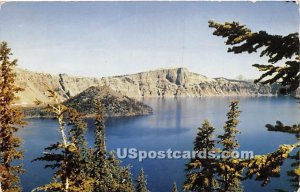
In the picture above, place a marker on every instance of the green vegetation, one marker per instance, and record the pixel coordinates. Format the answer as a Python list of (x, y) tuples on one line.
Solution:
[(80, 168), (10, 121), (114, 104), (276, 48), (228, 172), (201, 171), (77, 167), (70, 156), (206, 173), (142, 182), (108, 174)]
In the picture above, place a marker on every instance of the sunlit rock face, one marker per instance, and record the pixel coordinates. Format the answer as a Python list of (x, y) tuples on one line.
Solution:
[(158, 83)]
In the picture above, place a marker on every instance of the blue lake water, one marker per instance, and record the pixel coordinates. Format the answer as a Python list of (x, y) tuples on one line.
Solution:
[(173, 125)]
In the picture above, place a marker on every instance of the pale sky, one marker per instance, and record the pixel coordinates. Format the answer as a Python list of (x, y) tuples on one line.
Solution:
[(115, 38)]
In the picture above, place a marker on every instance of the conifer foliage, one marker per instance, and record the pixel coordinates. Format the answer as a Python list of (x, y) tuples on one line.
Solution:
[(228, 139), (121, 174), (69, 156), (275, 47), (141, 182), (210, 173), (201, 169), (107, 172), (101, 169), (230, 169), (10, 121), (283, 68), (77, 167)]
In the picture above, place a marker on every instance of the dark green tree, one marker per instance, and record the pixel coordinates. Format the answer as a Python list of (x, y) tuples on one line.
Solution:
[(228, 139), (80, 160), (122, 178), (101, 169), (201, 169), (141, 182), (277, 48), (107, 172), (69, 156), (283, 67), (11, 119), (280, 127), (229, 169), (294, 173), (263, 167)]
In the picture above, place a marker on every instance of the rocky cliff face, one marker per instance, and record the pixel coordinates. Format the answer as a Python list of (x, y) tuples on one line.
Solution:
[(158, 83), (181, 82)]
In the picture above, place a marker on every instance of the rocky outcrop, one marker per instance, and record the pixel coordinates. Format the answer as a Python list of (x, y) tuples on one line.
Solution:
[(114, 103), (158, 83)]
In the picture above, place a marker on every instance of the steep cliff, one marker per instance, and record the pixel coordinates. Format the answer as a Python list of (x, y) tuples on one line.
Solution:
[(158, 83)]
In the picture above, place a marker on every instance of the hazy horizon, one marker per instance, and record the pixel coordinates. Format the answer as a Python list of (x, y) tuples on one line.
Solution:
[(99, 39)]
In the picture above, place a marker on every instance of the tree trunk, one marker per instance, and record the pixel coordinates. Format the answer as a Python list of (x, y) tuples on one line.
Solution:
[(65, 144)]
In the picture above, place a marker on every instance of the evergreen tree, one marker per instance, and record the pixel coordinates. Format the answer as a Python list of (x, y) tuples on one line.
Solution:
[(278, 49), (230, 169), (268, 165), (101, 171), (275, 47), (294, 174), (201, 170), (122, 178), (107, 172), (174, 188), (79, 159), (141, 182), (70, 156), (228, 139), (10, 121)]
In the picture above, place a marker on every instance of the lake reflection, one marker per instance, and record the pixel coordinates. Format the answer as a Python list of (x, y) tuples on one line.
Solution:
[(173, 125)]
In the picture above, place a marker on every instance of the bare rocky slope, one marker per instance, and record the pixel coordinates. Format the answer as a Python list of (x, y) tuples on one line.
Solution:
[(158, 83)]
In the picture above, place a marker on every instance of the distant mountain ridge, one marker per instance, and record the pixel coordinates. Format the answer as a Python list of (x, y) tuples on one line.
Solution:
[(157, 83)]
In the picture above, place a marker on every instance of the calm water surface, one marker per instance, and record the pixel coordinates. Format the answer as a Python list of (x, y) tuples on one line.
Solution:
[(173, 125)]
